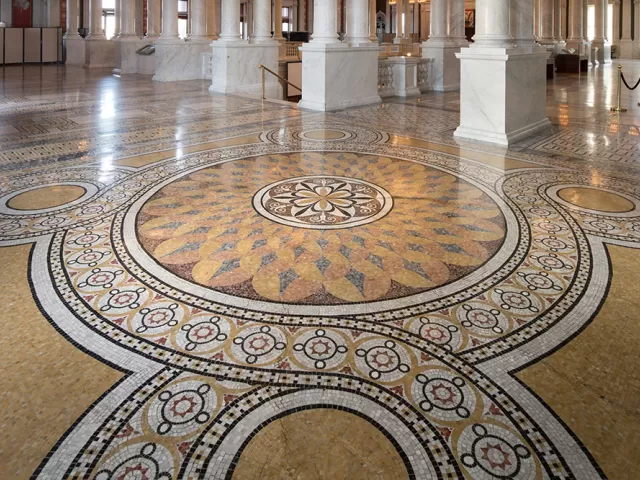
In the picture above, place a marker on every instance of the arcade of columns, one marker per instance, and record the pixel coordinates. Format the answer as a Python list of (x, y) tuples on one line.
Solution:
[(506, 55)]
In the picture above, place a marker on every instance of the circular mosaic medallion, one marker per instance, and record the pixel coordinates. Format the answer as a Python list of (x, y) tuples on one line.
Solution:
[(323, 202)]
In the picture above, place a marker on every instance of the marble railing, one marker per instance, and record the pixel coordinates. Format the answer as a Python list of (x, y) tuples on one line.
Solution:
[(402, 76), (385, 79), (289, 51)]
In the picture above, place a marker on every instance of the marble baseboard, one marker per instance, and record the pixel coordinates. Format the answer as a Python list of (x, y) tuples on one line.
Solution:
[(75, 53), (126, 57), (99, 54), (179, 60), (337, 76), (503, 94), (235, 69)]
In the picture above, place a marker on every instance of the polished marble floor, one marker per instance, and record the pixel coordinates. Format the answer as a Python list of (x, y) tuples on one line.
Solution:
[(206, 286)]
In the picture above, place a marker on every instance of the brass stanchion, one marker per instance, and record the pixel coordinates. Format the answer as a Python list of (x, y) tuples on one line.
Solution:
[(619, 108)]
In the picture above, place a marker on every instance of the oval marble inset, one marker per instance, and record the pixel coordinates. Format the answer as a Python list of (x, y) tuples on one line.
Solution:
[(595, 199), (320, 443), (323, 135), (46, 197)]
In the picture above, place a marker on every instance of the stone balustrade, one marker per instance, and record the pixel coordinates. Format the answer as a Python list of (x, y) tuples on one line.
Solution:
[(401, 76)]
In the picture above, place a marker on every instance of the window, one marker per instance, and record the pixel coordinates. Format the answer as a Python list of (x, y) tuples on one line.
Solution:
[(109, 18), (183, 18), (286, 19)]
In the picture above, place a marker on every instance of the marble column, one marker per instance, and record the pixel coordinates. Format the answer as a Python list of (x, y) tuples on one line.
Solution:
[(585, 16), (169, 21), (447, 36), (277, 21), (357, 21), (407, 19), (598, 34), (522, 23), (128, 20), (373, 31), (636, 29), (117, 14), (95, 21), (388, 22), (626, 43), (72, 19), (399, 24), (536, 18), (546, 22), (325, 22), (439, 25), (154, 19), (600, 40), (230, 21), (212, 24), (557, 21), (198, 21), (416, 19), (575, 39), (336, 75), (456, 23), (563, 24), (262, 22), (492, 24), (616, 23), (492, 70)]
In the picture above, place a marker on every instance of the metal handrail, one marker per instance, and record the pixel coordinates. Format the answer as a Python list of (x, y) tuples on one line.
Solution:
[(278, 76)]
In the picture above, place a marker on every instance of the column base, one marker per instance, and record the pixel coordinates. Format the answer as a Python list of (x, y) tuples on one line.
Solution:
[(75, 52), (604, 51), (335, 76), (235, 69), (99, 53), (503, 94), (444, 68), (180, 60)]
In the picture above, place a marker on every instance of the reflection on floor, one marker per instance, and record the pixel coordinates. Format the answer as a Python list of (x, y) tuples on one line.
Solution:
[(205, 286)]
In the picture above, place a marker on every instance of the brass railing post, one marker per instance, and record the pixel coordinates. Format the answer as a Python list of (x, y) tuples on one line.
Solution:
[(619, 107)]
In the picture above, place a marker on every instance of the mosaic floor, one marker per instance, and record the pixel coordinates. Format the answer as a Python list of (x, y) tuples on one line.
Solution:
[(201, 286)]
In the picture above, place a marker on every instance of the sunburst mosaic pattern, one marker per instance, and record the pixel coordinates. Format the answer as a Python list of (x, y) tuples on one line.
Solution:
[(204, 227)]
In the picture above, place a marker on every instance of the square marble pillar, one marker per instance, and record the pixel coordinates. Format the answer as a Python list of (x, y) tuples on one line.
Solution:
[(99, 53), (178, 60), (74, 48), (405, 76), (444, 67), (336, 76), (503, 93), (126, 57), (235, 68)]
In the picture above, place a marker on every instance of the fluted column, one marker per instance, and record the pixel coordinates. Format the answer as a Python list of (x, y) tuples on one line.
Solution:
[(439, 28), (325, 21), (95, 21), (277, 20), (373, 33), (169, 21), (357, 21), (262, 22), (154, 19), (492, 24), (72, 19), (557, 21), (522, 23), (575, 22), (546, 22), (128, 19)]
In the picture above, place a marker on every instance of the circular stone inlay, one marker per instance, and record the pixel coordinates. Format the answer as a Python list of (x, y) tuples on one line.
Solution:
[(323, 135), (323, 202), (206, 228), (46, 197), (320, 443), (595, 199)]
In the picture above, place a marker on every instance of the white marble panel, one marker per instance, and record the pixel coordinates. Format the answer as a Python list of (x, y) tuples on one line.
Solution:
[(99, 54), (13, 45), (503, 94), (179, 61), (235, 68), (405, 76), (126, 57), (74, 50), (444, 68), (336, 76)]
